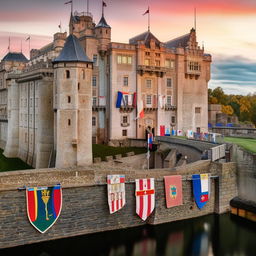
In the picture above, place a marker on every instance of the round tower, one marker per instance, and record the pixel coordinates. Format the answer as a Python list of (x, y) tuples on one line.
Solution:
[(72, 104)]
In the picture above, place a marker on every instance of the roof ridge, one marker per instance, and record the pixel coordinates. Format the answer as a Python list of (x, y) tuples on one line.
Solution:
[(177, 38)]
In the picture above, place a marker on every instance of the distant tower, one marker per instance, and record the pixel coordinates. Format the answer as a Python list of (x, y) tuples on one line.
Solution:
[(103, 33), (72, 104)]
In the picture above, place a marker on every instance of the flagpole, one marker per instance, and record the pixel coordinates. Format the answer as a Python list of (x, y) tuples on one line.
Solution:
[(148, 20), (9, 46), (195, 18), (87, 6), (102, 9)]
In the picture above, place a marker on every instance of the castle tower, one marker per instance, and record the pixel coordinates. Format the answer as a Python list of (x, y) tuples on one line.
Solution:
[(72, 104)]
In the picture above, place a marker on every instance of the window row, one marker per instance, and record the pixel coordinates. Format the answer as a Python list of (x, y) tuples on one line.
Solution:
[(124, 59)]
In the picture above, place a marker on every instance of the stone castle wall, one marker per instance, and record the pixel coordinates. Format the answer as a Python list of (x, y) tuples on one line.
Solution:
[(85, 207)]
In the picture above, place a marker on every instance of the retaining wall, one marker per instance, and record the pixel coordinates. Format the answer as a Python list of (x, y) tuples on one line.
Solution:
[(85, 207)]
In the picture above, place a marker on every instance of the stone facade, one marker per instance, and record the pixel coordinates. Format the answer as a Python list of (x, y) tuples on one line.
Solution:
[(169, 78), (85, 208)]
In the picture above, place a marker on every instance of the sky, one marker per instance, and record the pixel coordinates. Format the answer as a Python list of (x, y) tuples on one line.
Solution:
[(225, 28)]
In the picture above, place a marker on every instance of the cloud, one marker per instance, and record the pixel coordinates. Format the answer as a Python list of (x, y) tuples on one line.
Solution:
[(236, 75)]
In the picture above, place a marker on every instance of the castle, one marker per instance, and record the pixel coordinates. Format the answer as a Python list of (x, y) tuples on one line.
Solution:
[(83, 89)]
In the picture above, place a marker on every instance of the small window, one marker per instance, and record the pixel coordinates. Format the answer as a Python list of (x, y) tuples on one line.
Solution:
[(119, 59), (129, 60), (78, 86), (93, 121), (124, 132), (94, 81), (147, 62), (147, 53), (83, 74), (95, 59), (169, 82), (173, 119), (197, 110), (67, 74), (169, 99), (158, 63), (124, 59), (158, 55), (125, 119), (149, 100), (125, 81), (69, 99), (94, 101), (148, 83), (69, 122)]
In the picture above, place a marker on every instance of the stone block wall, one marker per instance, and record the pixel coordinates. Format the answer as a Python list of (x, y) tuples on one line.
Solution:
[(85, 207)]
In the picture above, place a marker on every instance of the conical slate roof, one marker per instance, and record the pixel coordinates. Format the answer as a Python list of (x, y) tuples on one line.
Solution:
[(15, 56), (102, 23), (72, 51)]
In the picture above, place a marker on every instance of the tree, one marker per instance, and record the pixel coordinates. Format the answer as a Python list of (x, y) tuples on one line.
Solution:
[(227, 110)]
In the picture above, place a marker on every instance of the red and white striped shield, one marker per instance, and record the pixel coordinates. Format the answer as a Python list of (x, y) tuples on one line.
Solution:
[(116, 192), (145, 197)]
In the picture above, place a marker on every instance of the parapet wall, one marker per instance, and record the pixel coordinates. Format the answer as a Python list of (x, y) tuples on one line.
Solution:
[(85, 207)]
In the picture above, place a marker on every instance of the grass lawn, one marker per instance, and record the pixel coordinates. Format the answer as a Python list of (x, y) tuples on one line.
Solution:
[(103, 150), (11, 164), (248, 144)]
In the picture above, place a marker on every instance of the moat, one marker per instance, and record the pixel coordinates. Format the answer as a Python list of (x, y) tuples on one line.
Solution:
[(209, 235)]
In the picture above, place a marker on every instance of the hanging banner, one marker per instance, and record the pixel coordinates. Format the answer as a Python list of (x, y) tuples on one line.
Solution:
[(201, 189), (173, 190), (162, 130), (145, 197), (167, 131), (43, 206), (116, 192), (174, 132), (190, 134), (179, 133)]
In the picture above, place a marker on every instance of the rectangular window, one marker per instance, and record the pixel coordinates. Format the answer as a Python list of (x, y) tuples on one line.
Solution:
[(197, 110), (147, 62), (173, 119), (94, 81), (129, 60), (148, 83), (93, 121), (125, 119), (169, 82), (167, 63), (149, 100), (124, 132), (124, 60), (119, 59), (158, 63), (125, 81), (158, 55), (169, 100), (95, 59), (94, 101), (147, 53)]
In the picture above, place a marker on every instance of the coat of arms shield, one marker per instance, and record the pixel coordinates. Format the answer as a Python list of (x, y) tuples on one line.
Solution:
[(201, 189), (43, 206)]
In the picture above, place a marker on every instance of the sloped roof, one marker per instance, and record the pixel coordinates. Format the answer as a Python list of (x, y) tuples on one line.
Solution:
[(181, 41), (102, 23), (72, 51), (15, 56), (146, 37)]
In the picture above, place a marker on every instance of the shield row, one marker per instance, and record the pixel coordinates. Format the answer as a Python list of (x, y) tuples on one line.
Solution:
[(44, 203)]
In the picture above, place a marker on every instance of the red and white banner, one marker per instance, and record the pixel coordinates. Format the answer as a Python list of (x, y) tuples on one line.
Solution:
[(116, 192), (145, 197)]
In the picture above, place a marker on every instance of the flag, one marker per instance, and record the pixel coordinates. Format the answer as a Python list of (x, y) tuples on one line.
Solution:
[(28, 38), (104, 4), (150, 140), (145, 197), (140, 109), (119, 99), (162, 130), (69, 2), (147, 11), (173, 190), (201, 189), (116, 192)]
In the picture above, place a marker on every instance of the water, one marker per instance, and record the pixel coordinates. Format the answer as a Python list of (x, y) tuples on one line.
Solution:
[(209, 235)]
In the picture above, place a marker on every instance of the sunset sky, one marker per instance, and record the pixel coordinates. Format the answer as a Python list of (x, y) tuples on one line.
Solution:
[(226, 28)]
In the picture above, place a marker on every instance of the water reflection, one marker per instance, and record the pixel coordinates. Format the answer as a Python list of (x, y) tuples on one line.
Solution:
[(208, 235)]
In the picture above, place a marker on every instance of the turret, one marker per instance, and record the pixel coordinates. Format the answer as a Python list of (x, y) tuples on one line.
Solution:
[(72, 90), (103, 33)]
